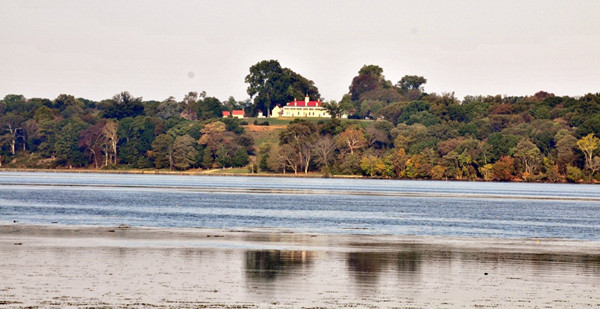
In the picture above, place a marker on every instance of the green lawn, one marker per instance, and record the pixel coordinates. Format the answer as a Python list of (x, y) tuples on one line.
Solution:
[(237, 170), (264, 137), (286, 121), (270, 134)]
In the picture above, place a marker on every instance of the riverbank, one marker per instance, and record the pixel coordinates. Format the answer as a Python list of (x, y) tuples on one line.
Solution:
[(135, 267), (226, 172), (196, 172)]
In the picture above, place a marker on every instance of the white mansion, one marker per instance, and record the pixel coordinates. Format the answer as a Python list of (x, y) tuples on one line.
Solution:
[(299, 109)]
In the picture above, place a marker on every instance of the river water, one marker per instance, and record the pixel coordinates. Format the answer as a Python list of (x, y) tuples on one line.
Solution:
[(347, 206)]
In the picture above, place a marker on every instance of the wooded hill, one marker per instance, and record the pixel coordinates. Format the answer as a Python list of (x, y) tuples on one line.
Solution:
[(412, 134)]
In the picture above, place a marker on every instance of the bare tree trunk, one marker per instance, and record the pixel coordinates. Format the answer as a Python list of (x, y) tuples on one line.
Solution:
[(110, 133), (114, 147), (95, 159), (105, 156), (307, 155), (268, 105), (171, 158)]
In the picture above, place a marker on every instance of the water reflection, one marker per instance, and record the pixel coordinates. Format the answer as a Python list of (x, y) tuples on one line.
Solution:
[(366, 268), (382, 275), (409, 262), (268, 265), (406, 271)]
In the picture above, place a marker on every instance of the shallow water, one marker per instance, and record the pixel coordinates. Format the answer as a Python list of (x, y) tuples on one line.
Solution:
[(67, 270), (473, 209)]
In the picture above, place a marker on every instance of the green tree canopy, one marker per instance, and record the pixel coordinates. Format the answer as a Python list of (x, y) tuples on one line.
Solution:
[(369, 78), (409, 82), (124, 105), (270, 84)]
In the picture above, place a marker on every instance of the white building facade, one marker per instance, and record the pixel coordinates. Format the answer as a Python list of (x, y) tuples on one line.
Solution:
[(301, 109)]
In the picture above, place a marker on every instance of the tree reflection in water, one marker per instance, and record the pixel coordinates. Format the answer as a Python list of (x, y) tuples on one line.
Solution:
[(268, 265), (365, 267)]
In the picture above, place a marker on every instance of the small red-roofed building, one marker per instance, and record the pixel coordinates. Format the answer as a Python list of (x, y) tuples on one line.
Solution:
[(301, 109), (236, 113)]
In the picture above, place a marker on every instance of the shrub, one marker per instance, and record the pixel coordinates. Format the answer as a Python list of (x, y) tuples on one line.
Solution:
[(574, 174)]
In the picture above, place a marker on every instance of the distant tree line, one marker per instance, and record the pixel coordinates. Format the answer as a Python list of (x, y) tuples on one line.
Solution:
[(121, 131), (419, 135), (408, 134)]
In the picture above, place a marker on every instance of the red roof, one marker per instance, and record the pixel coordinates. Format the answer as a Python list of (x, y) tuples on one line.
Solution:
[(236, 112), (303, 103)]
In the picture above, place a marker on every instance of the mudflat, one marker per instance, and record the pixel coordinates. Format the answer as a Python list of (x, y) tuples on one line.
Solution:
[(134, 267)]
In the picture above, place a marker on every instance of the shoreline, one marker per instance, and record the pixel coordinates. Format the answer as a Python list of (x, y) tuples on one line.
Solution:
[(275, 239), (180, 173), (214, 173)]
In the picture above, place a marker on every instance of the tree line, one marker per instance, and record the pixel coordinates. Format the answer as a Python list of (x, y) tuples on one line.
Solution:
[(419, 135), (121, 131), (408, 134)]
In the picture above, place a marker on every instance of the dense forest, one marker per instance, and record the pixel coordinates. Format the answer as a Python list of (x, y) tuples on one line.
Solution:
[(399, 131)]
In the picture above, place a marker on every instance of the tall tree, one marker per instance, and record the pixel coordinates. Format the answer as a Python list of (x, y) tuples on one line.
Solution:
[(588, 145), (136, 135), (369, 78), (240, 158), (168, 108), (529, 155), (271, 84), (266, 80), (11, 125), (566, 143), (184, 152), (300, 135), (323, 148), (111, 139), (275, 160), (67, 143), (209, 107), (215, 136), (162, 151), (91, 140), (124, 105), (189, 106), (351, 139)]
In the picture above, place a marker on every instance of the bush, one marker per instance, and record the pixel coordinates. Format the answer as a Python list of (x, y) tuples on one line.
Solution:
[(574, 174), (503, 169), (252, 168)]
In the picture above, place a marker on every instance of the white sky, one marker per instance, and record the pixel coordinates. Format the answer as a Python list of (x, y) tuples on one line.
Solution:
[(156, 49)]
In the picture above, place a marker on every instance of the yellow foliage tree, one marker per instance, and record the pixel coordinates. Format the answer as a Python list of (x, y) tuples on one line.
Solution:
[(588, 145)]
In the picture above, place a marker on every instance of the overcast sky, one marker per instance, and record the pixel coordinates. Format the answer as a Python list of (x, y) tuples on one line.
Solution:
[(156, 49)]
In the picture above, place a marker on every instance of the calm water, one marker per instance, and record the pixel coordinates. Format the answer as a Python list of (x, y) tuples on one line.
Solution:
[(474, 209), (404, 277)]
